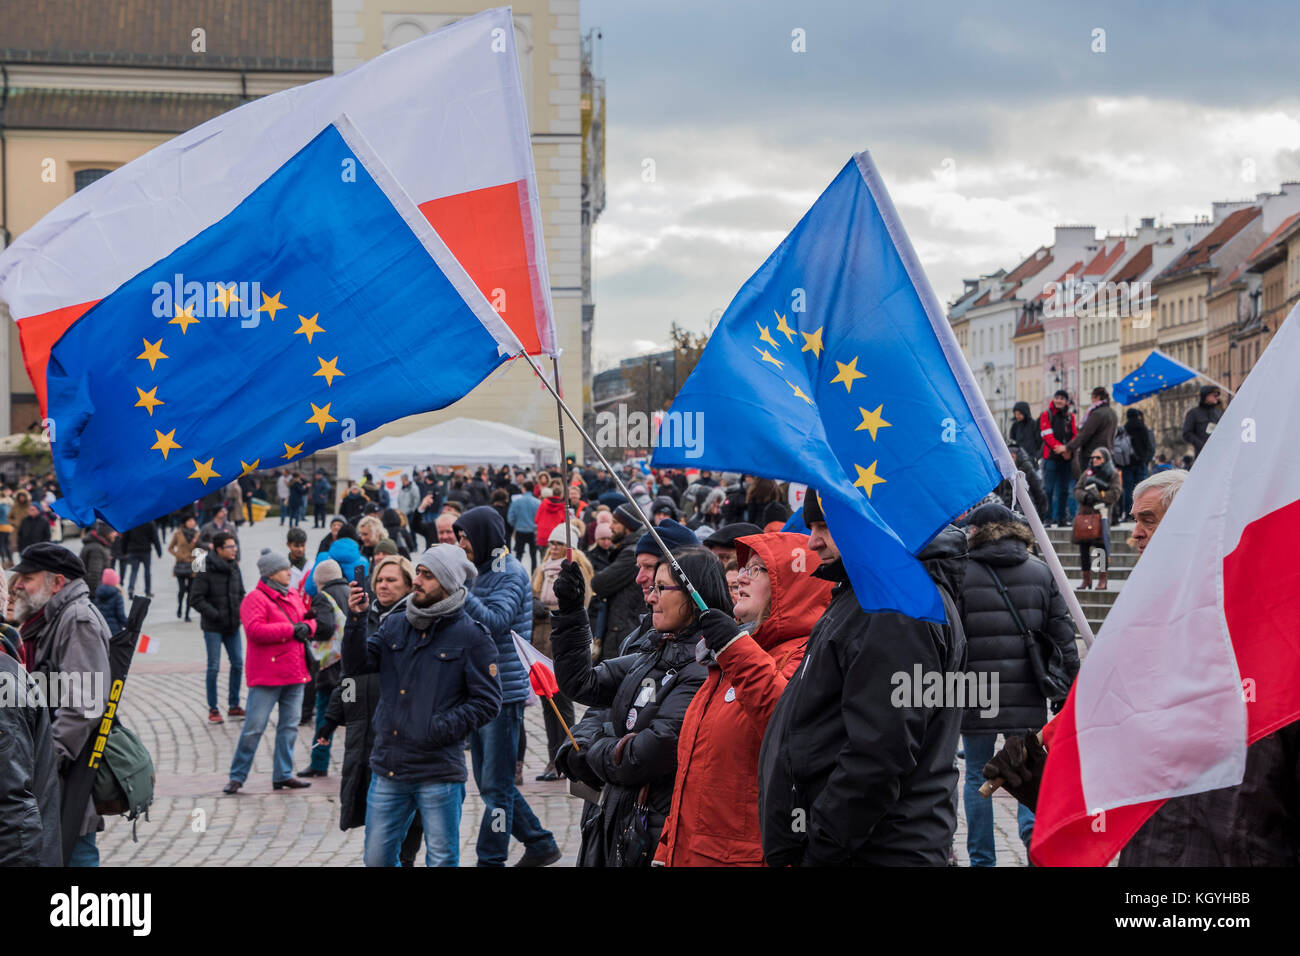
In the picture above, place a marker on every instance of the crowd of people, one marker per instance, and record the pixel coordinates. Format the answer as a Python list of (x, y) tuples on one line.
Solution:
[(757, 725)]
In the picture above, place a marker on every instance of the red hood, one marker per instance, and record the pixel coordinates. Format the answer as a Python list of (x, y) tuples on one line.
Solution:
[(798, 598)]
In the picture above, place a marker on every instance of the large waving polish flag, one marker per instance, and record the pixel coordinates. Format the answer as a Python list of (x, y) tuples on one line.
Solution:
[(444, 114), (1200, 656)]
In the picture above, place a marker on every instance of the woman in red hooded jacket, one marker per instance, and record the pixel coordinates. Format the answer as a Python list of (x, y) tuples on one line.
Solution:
[(713, 820)]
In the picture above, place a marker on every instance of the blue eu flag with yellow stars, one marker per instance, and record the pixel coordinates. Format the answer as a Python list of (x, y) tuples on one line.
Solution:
[(834, 366), (319, 308), (1156, 374)]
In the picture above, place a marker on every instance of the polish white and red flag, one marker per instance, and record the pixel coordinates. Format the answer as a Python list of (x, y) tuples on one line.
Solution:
[(446, 115), (541, 669), (1200, 656)]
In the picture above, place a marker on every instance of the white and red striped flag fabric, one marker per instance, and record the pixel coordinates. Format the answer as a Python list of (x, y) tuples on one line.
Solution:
[(1200, 655), (445, 114), (147, 645), (541, 669)]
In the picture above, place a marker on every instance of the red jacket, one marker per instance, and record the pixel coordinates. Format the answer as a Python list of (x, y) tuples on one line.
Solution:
[(273, 658), (713, 820), (1050, 440), (549, 514)]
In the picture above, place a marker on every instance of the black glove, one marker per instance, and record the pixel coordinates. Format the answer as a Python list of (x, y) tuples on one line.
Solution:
[(570, 588), (301, 632), (719, 629), (572, 765), (1020, 765)]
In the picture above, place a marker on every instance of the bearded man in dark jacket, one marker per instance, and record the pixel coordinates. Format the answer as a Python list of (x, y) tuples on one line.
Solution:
[(846, 777)]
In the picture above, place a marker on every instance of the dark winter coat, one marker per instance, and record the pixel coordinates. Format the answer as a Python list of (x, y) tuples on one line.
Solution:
[(30, 828), (1027, 433), (216, 594), (1201, 420), (872, 783), (994, 644), (1144, 445), (356, 712), (34, 528), (109, 601), (436, 685), (1026, 466), (646, 694), (96, 555), (141, 539), (617, 587), (1097, 431)]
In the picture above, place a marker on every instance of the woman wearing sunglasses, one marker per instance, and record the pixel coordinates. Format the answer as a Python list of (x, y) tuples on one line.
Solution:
[(714, 816), (634, 755), (1098, 488)]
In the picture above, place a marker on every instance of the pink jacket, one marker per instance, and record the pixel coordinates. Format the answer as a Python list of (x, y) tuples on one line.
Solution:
[(273, 658)]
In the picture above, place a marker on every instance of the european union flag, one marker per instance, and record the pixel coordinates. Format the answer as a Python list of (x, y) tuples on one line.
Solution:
[(834, 366), (1156, 374), (321, 307)]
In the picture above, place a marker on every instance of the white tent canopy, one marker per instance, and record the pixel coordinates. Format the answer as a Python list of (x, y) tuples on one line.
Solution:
[(460, 441)]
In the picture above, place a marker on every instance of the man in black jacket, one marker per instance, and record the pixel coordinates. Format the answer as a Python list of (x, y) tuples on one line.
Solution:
[(30, 828), (848, 773), (216, 594), (617, 584), (1202, 418), (1025, 431), (137, 544)]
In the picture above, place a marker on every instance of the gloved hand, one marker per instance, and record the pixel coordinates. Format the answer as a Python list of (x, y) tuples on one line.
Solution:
[(570, 588), (1020, 765), (301, 632), (719, 629)]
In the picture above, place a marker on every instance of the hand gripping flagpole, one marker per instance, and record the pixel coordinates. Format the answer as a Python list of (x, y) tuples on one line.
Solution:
[(668, 555)]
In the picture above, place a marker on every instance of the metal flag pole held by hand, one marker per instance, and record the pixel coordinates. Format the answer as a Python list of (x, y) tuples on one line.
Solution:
[(668, 555)]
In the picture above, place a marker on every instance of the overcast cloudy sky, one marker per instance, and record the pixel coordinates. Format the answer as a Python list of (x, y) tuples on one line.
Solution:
[(1190, 102)]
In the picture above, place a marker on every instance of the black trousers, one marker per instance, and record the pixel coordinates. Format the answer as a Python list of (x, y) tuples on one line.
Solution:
[(555, 734), (529, 539)]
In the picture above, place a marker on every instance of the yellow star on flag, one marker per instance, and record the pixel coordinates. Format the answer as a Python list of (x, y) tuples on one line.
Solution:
[(271, 303), (798, 392), (149, 399), (328, 369), (152, 351), (765, 336), (867, 478), (767, 357), (308, 327), (226, 295), (872, 422), (291, 450), (782, 327), (184, 318), (848, 373), (813, 343), (247, 468), (165, 443), (203, 471), (320, 416)]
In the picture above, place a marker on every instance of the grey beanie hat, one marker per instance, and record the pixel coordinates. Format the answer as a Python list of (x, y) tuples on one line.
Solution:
[(268, 562), (449, 565)]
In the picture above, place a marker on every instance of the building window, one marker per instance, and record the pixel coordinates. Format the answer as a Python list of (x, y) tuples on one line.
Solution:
[(84, 177)]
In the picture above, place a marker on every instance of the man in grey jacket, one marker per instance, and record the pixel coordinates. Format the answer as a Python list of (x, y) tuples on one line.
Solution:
[(64, 638)]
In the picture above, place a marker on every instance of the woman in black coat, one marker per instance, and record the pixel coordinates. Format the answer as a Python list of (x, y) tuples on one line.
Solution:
[(1097, 490), (1144, 449), (633, 751), (995, 651)]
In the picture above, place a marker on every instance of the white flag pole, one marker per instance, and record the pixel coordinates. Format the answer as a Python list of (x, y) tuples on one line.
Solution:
[(1049, 555)]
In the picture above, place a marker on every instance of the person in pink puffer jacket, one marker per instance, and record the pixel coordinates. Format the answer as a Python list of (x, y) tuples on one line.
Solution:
[(274, 620)]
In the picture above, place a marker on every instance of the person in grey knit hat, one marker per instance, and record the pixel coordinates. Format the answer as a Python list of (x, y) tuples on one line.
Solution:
[(268, 562)]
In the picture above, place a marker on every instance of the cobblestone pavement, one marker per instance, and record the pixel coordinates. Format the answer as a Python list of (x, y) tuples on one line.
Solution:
[(193, 824)]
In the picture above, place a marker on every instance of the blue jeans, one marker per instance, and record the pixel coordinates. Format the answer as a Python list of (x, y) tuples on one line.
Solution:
[(320, 756), (391, 805), (979, 810), (84, 852), (261, 701), (1133, 475), (1058, 481), (493, 750), (235, 651), (134, 562)]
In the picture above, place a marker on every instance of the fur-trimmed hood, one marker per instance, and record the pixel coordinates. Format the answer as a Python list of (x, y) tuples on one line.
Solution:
[(998, 531)]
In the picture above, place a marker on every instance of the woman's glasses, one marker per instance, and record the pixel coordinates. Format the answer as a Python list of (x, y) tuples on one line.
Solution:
[(660, 588), (750, 570)]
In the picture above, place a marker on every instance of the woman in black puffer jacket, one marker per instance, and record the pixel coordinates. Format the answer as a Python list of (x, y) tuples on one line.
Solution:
[(995, 649), (647, 691)]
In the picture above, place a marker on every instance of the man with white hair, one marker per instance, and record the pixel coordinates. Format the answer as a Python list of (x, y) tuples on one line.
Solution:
[(29, 774), (1151, 499), (445, 524), (64, 636)]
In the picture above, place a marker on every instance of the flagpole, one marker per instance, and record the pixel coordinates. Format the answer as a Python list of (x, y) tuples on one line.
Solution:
[(1050, 556), (564, 470), (551, 701), (667, 552)]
